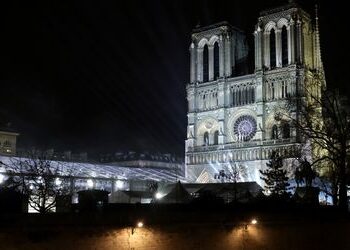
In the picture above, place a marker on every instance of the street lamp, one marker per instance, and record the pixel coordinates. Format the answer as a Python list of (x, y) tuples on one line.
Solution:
[(139, 224), (158, 196)]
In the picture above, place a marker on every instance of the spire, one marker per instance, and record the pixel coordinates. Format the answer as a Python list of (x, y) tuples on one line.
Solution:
[(318, 58)]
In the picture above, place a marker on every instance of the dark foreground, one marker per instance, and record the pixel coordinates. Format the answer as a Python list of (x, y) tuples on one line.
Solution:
[(179, 227)]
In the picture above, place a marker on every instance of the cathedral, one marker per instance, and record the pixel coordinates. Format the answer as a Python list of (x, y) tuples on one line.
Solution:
[(234, 118)]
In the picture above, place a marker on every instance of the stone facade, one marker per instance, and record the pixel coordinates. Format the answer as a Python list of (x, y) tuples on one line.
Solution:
[(235, 119), (8, 142)]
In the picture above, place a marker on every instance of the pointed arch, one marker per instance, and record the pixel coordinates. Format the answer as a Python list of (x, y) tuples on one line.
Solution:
[(284, 38), (272, 48), (205, 63), (216, 137), (216, 60), (286, 130)]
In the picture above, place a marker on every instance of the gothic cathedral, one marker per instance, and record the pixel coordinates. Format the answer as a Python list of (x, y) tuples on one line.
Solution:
[(234, 118)]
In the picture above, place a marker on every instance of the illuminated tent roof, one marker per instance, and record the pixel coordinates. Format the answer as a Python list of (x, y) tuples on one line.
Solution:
[(178, 194)]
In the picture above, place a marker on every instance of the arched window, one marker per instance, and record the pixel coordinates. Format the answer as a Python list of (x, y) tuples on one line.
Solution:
[(253, 95), (274, 132), (272, 49), (284, 47), (216, 61), (205, 64), (286, 130), (216, 137), (206, 139)]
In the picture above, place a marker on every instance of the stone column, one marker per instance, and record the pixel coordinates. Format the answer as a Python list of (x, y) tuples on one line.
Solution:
[(191, 99), (299, 42), (278, 47), (221, 94), (221, 56), (267, 49), (228, 69), (193, 63), (221, 132), (227, 96), (200, 64), (211, 62), (258, 49), (291, 42)]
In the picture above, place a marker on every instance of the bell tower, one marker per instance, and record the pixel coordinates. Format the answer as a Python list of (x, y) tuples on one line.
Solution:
[(237, 119), (287, 36)]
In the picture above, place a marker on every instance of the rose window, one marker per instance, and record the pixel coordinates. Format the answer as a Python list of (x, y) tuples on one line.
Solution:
[(245, 128)]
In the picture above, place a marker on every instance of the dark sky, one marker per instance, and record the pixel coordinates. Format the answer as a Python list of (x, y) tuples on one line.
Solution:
[(103, 76)]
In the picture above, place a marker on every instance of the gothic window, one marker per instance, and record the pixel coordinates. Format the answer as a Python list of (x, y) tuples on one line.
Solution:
[(286, 130), (245, 128), (204, 102), (216, 137), (206, 139), (284, 46), (216, 60), (205, 63), (272, 49), (284, 89), (253, 95), (274, 132)]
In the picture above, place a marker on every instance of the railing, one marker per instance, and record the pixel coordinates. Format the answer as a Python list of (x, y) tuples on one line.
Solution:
[(242, 144)]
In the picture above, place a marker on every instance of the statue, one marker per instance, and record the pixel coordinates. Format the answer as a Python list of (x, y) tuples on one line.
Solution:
[(304, 173)]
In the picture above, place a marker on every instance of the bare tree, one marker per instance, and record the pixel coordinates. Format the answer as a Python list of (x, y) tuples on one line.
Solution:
[(39, 178), (323, 121)]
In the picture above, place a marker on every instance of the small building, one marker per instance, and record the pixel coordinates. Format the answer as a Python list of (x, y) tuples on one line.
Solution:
[(8, 141)]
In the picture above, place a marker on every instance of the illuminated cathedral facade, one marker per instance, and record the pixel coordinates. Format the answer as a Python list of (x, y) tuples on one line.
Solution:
[(234, 118)]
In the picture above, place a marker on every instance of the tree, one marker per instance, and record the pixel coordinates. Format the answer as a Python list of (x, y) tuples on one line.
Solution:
[(323, 120), (304, 173), (275, 177), (37, 177)]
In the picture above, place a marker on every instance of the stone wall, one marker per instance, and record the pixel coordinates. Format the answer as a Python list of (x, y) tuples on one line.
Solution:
[(281, 232)]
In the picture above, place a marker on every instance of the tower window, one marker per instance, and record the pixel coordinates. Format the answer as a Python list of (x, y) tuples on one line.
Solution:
[(216, 137), (272, 49), (205, 64), (284, 47), (286, 130), (216, 60)]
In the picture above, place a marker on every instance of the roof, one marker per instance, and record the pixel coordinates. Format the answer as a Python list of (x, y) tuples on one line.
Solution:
[(178, 194), (252, 187)]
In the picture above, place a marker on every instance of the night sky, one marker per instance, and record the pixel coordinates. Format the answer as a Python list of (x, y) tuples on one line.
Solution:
[(105, 76)]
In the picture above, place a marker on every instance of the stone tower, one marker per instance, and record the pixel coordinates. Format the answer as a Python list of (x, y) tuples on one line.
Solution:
[(234, 118)]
